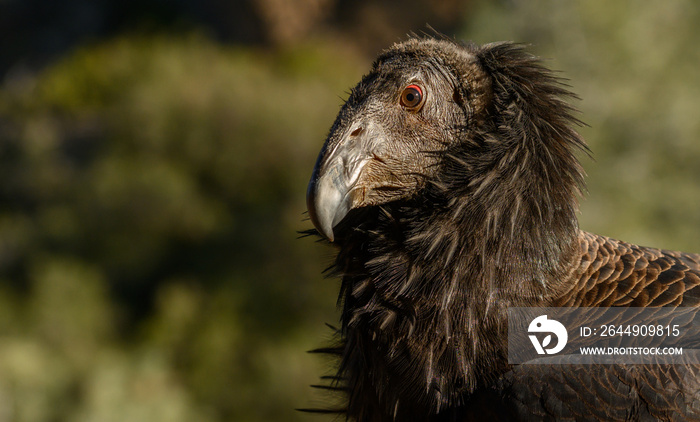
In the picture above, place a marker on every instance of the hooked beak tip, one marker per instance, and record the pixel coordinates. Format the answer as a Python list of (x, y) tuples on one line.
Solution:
[(322, 223), (329, 199)]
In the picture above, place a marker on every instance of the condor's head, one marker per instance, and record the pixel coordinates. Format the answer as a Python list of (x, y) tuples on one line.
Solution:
[(478, 134)]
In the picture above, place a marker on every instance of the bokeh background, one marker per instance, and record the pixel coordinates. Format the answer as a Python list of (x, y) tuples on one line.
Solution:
[(153, 165)]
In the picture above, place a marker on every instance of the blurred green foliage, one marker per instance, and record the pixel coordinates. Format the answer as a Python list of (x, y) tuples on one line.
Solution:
[(153, 186), (152, 190)]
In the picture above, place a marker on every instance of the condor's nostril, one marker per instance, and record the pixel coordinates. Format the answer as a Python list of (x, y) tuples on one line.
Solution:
[(357, 131)]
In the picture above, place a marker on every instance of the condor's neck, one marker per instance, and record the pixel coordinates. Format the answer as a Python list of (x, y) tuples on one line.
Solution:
[(410, 251), (426, 287)]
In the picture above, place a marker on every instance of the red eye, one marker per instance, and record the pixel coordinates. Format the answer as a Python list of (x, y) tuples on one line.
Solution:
[(412, 97)]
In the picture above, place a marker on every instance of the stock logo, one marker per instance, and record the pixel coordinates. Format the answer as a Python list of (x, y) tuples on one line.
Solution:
[(543, 325)]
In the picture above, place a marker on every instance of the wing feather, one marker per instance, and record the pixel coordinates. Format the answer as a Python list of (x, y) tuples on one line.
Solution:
[(616, 273)]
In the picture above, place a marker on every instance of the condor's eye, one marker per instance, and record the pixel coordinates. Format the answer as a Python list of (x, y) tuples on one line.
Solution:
[(412, 97)]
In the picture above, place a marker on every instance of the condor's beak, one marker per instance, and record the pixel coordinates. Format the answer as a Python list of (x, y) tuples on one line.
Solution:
[(333, 187)]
